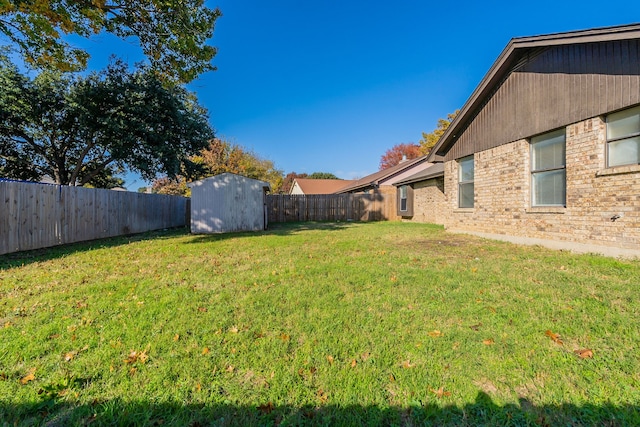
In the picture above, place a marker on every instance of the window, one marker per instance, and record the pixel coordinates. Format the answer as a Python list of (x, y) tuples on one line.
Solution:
[(623, 138), (548, 173), (403, 198), (465, 182)]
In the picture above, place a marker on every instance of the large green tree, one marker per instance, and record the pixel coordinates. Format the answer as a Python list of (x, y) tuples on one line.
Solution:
[(172, 34), (82, 129)]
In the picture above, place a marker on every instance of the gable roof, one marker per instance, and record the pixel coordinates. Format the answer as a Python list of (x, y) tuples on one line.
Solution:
[(434, 171), (376, 178), (321, 186), (517, 51)]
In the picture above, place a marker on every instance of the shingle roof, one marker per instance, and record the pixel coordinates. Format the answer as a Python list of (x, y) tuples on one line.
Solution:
[(434, 171), (515, 51), (375, 178), (321, 186)]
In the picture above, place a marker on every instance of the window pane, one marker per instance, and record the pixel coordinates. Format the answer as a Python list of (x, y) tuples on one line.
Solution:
[(466, 169), (624, 152), (623, 123), (549, 188), (403, 205), (465, 195), (403, 192), (548, 151)]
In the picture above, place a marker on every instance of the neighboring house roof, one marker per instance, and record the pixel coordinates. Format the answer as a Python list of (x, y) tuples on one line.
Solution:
[(384, 176), (434, 171), (318, 186), (517, 51)]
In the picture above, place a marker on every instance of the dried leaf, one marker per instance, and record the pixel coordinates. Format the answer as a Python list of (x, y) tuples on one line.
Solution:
[(440, 392), (488, 341), (554, 337), (176, 337), (284, 337), (392, 377), (364, 356), (313, 370), (29, 377), (233, 329), (205, 350), (407, 364), (330, 359), (70, 355), (266, 408), (354, 363), (230, 368), (585, 353), (198, 387), (322, 396), (435, 333), (202, 309), (475, 327)]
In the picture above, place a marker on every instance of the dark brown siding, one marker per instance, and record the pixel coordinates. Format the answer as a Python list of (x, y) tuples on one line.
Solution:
[(557, 87)]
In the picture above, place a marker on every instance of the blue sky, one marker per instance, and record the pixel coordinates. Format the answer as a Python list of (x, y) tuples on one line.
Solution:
[(329, 85)]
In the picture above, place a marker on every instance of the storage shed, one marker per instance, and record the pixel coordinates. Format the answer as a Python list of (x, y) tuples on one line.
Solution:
[(228, 202)]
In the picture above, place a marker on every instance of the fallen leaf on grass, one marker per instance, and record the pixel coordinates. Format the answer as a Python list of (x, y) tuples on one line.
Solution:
[(435, 333), (488, 341), (475, 327), (202, 309), (364, 356), (137, 356), (354, 363), (176, 337), (230, 368), (330, 359), (554, 337), (407, 364), (233, 329), (68, 357), (284, 337), (585, 353), (29, 377), (322, 396), (392, 377), (266, 408), (205, 350), (440, 392)]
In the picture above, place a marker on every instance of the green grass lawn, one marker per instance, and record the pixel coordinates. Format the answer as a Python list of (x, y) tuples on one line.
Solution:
[(320, 324)]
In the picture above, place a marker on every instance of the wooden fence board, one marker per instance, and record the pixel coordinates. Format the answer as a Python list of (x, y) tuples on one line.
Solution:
[(330, 207), (34, 216)]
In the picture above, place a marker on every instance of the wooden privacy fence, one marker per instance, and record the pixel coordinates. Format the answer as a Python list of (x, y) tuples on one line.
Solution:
[(34, 216), (331, 207)]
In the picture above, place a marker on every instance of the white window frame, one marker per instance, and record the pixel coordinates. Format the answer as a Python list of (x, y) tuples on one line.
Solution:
[(466, 183), (556, 169), (630, 114)]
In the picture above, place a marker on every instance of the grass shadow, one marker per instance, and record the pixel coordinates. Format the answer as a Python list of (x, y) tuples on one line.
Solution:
[(17, 259), (482, 412)]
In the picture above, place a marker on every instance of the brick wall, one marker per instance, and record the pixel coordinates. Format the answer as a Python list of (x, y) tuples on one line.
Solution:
[(594, 194), (429, 201)]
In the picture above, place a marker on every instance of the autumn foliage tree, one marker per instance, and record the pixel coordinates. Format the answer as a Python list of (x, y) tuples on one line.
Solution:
[(218, 157), (395, 154), (429, 140)]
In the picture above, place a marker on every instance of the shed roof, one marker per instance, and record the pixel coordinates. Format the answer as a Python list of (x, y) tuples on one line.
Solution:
[(376, 178), (225, 175), (321, 186), (517, 51)]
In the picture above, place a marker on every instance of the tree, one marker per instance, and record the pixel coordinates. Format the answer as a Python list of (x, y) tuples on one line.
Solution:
[(395, 154), (322, 175), (218, 157), (172, 33), (79, 129), (287, 182), (429, 140)]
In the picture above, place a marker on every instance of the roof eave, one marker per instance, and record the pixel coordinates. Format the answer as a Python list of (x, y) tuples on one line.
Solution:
[(508, 58)]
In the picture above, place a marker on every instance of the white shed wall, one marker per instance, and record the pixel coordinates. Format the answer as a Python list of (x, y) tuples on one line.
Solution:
[(227, 203)]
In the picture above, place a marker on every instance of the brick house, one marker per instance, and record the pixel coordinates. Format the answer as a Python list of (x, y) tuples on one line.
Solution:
[(547, 148)]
